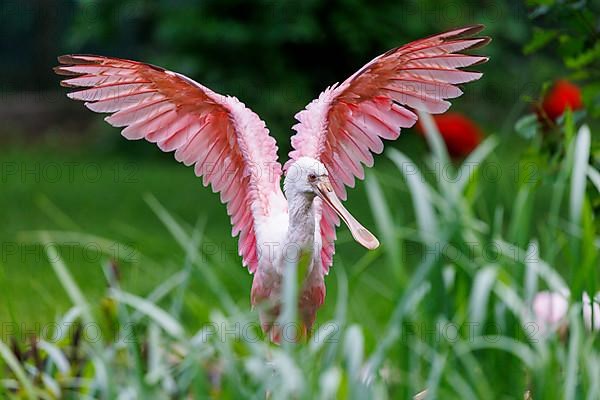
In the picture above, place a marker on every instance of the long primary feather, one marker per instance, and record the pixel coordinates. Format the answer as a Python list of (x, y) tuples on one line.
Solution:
[(346, 123), (227, 143)]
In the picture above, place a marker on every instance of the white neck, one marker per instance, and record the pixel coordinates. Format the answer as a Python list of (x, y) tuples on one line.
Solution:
[(301, 228)]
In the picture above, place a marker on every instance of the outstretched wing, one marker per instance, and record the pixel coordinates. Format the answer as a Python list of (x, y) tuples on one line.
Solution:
[(344, 126), (227, 143)]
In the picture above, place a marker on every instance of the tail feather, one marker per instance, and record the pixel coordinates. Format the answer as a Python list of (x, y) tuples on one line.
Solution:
[(269, 308)]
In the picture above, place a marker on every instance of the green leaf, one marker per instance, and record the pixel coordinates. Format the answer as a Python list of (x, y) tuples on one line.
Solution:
[(584, 58), (570, 46), (541, 38), (540, 2)]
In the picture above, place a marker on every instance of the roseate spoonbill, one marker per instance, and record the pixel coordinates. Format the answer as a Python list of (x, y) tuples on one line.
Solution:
[(231, 148)]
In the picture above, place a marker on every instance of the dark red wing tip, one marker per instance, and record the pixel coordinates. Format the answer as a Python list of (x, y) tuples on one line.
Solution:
[(155, 67), (465, 32), (472, 29), (64, 83), (77, 59), (484, 41), (61, 71), (83, 59), (468, 32), (68, 60)]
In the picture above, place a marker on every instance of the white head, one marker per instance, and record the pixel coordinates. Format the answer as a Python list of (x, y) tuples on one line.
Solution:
[(309, 177), (301, 176)]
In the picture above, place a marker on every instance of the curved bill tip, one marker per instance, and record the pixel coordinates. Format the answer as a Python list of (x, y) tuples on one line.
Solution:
[(359, 232), (367, 239)]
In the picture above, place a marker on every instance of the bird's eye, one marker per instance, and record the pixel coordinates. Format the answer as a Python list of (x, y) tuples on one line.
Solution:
[(312, 177)]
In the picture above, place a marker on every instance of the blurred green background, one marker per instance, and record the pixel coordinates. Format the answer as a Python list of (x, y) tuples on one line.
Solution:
[(63, 170), (274, 55)]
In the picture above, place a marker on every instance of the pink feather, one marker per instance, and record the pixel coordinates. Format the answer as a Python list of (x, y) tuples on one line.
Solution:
[(214, 132), (348, 122), (230, 147)]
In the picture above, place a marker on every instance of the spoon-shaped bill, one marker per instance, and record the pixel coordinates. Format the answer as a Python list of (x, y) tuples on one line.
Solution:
[(359, 232)]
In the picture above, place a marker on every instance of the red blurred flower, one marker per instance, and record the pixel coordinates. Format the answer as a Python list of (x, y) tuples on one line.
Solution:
[(561, 96), (460, 133)]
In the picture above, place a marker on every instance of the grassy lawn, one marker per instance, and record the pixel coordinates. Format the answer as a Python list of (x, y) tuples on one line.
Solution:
[(98, 196), (96, 208), (119, 278), (440, 305)]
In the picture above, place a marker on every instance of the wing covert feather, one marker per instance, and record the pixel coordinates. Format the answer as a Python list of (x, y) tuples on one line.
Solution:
[(229, 146), (345, 125)]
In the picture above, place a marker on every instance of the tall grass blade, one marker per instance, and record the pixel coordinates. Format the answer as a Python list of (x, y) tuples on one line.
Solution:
[(573, 359), (163, 290), (594, 177), (578, 177), (435, 374), (474, 161), (177, 303), (420, 194), (161, 317), (167, 219), (110, 248), (434, 139), (289, 298), (331, 333), (413, 295), (55, 213), (385, 223), (478, 301), (521, 217), (532, 259), (507, 344), (549, 274), (56, 356), (65, 278), (354, 350), (12, 363), (189, 247)]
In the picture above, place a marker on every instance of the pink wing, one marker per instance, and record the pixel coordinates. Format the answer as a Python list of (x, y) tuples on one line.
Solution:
[(228, 144), (345, 125)]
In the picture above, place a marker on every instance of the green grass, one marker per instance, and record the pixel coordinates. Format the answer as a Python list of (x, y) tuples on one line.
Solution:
[(443, 304), (101, 197), (98, 203)]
